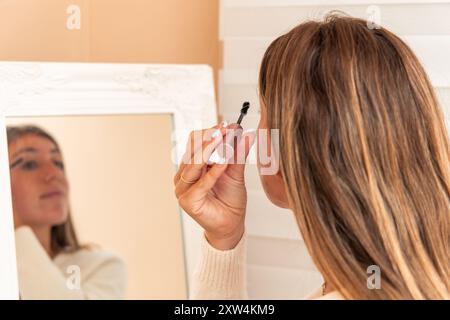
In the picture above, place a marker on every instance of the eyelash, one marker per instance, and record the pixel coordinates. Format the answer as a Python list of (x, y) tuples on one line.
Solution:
[(31, 165), (59, 164)]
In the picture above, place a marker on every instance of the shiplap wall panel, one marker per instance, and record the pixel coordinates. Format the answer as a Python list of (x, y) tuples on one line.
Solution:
[(265, 219), (283, 253), (444, 98), (403, 19), (252, 180), (281, 283), (232, 95), (242, 57), (251, 121), (290, 3), (278, 263)]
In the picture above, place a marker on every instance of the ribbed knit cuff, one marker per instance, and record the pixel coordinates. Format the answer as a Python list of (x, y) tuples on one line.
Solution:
[(221, 274)]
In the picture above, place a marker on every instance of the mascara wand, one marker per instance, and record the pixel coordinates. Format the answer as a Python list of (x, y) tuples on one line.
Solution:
[(244, 110)]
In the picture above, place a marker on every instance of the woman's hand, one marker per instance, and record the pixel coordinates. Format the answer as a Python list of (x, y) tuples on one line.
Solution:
[(215, 195)]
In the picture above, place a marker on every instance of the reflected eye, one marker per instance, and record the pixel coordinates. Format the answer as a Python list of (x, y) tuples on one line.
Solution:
[(29, 165), (59, 164)]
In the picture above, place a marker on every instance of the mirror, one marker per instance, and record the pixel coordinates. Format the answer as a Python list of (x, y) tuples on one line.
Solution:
[(113, 173), (89, 155)]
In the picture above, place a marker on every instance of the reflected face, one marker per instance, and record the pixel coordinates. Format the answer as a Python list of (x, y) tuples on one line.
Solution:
[(38, 182), (273, 184)]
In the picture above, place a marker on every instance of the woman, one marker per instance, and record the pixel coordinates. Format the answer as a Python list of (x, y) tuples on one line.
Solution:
[(364, 166), (51, 262)]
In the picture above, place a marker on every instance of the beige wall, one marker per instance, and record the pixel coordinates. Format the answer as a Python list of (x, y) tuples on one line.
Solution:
[(36, 30), (120, 174), (131, 31), (136, 31)]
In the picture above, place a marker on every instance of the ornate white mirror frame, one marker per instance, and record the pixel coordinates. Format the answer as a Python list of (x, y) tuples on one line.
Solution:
[(56, 89)]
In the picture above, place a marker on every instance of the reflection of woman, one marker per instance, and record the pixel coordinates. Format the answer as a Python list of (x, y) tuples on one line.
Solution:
[(51, 262), (364, 166)]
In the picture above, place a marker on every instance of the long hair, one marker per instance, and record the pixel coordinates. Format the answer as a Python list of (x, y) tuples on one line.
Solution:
[(364, 156), (63, 236)]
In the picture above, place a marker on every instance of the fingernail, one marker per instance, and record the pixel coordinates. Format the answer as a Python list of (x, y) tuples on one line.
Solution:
[(224, 124), (215, 134)]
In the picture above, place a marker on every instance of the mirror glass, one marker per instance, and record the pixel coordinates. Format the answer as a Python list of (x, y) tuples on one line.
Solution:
[(94, 211)]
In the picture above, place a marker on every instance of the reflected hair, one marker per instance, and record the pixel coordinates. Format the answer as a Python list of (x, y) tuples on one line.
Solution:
[(63, 236), (364, 154)]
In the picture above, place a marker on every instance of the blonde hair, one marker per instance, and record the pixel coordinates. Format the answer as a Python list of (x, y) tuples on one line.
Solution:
[(364, 156)]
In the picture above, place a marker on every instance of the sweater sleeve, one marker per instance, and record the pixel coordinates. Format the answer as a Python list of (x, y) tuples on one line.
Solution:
[(40, 277), (221, 274)]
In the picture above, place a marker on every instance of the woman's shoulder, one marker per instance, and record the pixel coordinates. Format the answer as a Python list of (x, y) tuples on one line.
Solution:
[(90, 258), (102, 273)]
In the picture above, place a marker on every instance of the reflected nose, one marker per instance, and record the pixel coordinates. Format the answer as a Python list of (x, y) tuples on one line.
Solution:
[(51, 172)]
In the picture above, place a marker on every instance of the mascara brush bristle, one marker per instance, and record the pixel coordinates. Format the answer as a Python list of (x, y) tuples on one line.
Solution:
[(245, 107)]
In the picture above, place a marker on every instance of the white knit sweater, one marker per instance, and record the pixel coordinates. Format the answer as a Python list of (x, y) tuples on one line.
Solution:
[(219, 275), (222, 275), (102, 274)]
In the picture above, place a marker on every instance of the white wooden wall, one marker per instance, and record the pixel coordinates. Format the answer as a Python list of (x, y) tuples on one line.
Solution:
[(278, 263)]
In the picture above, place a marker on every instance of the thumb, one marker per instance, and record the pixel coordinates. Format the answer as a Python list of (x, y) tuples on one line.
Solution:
[(236, 169)]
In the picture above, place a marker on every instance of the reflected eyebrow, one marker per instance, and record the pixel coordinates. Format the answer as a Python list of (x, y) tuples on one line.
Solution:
[(33, 150), (25, 150)]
